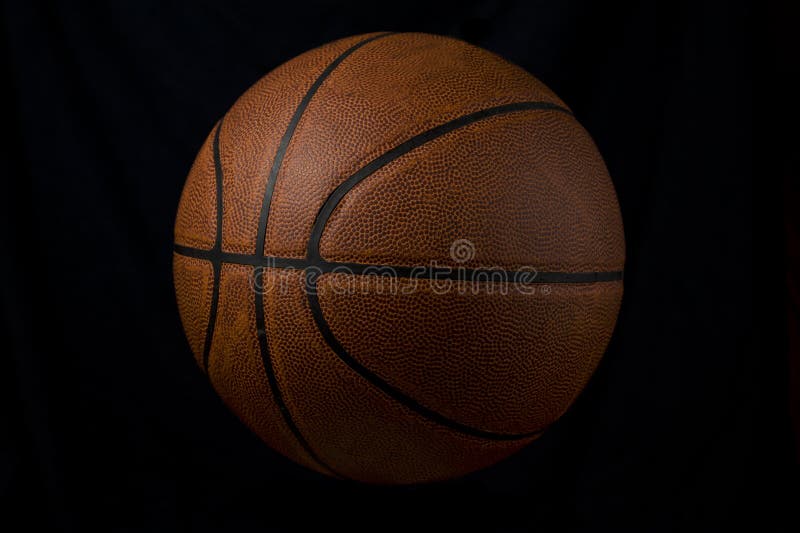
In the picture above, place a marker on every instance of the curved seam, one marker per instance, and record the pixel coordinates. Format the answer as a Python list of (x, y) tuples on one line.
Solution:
[(403, 148), (216, 262), (277, 162), (389, 390), (263, 342), (289, 263), (313, 256)]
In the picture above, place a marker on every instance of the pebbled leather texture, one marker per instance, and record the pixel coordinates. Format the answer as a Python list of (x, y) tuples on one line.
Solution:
[(194, 280), (488, 356), (250, 136), (525, 189), (406, 84), (237, 371), (362, 433), (196, 222), (397, 387)]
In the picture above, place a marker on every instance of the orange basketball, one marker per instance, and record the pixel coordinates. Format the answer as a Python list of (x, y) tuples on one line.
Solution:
[(398, 258)]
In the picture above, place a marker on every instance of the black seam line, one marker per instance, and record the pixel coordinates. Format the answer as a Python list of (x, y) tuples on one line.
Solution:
[(261, 234), (456, 273), (287, 137), (215, 262), (330, 339), (401, 149), (314, 256), (374, 379), (277, 395)]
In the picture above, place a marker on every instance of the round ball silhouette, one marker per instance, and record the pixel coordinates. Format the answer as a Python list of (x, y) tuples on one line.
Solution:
[(398, 258)]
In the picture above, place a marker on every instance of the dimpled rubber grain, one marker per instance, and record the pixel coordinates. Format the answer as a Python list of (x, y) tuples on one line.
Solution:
[(196, 221), (250, 135), (525, 188), (362, 433), (236, 369), (193, 288), (409, 84), (474, 353)]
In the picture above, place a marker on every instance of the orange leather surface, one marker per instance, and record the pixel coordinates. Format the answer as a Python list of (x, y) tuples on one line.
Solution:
[(355, 428), (236, 370), (391, 90), (196, 221), (194, 281), (250, 136), (526, 189), (398, 387), (491, 357)]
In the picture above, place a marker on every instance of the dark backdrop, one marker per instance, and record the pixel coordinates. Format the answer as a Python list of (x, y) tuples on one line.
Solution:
[(108, 424)]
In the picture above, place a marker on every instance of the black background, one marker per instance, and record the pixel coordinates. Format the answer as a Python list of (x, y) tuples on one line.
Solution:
[(108, 423)]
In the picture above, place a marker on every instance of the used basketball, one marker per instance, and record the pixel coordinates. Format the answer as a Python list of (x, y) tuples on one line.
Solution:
[(398, 258)]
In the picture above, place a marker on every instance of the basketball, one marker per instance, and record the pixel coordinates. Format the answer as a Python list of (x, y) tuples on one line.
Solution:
[(398, 258)]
